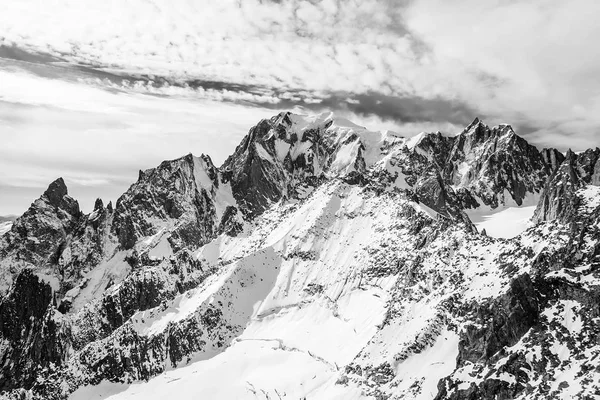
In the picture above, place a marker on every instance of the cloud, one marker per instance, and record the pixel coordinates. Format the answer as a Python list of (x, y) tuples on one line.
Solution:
[(396, 109), (533, 64), (294, 44)]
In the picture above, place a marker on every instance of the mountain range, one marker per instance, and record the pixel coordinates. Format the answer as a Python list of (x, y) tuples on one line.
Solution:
[(320, 261)]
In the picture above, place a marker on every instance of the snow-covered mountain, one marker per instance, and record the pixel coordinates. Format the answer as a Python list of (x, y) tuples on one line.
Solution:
[(320, 261)]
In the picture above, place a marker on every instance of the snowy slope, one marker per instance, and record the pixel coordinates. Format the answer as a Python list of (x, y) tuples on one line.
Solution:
[(506, 223), (5, 227)]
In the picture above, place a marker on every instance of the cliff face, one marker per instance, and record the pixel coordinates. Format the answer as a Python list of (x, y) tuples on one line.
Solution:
[(345, 255), (496, 165), (559, 198), (180, 192), (33, 337)]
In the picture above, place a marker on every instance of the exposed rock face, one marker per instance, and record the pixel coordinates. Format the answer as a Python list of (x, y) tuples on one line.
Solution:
[(494, 163), (511, 315), (89, 244), (39, 237), (32, 339), (559, 200), (178, 192), (553, 158), (56, 239), (273, 158), (500, 323), (317, 224)]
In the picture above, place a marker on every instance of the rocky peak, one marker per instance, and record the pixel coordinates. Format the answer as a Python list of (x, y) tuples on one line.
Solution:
[(98, 204), (273, 157), (588, 165), (495, 165), (38, 238), (477, 131), (57, 195), (180, 192), (55, 209), (56, 191), (553, 158), (437, 147)]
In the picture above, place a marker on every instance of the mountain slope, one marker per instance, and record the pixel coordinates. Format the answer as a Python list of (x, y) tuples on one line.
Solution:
[(322, 260)]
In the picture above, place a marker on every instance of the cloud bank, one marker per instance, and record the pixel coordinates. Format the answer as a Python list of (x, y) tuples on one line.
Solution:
[(534, 64)]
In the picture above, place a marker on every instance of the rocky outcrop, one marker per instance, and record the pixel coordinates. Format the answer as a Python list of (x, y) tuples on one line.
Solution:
[(482, 166), (553, 158), (57, 240), (491, 327), (559, 199), (176, 192), (273, 158), (40, 235), (544, 324), (495, 164), (32, 339), (504, 320), (90, 243)]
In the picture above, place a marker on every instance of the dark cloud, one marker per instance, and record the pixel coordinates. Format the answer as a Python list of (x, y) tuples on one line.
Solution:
[(406, 109)]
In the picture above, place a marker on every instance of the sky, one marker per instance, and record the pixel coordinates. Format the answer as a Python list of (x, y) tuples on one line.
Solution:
[(95, 90)]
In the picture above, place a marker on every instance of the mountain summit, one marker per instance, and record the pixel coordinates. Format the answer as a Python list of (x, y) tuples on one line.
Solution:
[(322, 261)]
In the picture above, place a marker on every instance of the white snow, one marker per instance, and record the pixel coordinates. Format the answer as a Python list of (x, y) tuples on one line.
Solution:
[(282, 149), (161, 248), (203, 181), (567, 313), (5, 227), (591, 197), (345, 157), (241, 287), (333, 332), (50, 280), (412, 142), (262, 153), (507, 223), (299, 148), (114, 269), (433, 364), (250, 369)]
